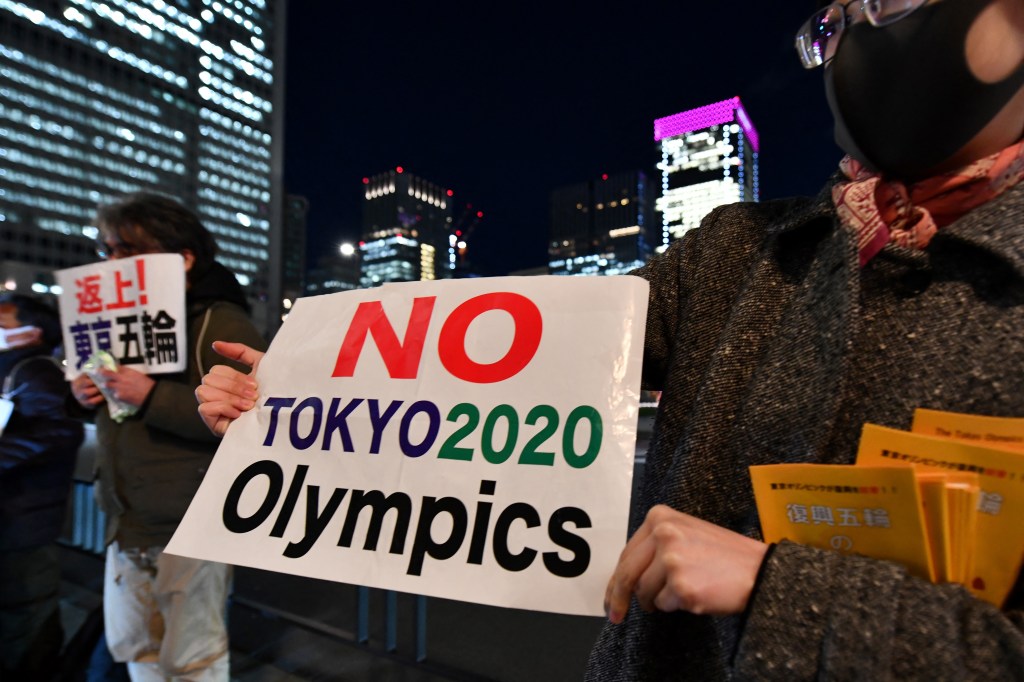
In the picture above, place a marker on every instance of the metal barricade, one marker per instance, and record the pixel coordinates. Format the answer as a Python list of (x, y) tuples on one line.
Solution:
[(86, 522)]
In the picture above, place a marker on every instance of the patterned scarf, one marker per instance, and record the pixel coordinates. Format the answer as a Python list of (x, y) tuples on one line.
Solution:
[(884, 211)]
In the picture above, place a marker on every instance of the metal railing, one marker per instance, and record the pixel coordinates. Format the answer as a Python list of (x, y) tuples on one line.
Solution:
[(86, 530), (87, 520)]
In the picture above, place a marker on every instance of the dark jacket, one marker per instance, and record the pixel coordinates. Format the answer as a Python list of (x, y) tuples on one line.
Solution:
[(37, 450), (773, 346), (150, 465)]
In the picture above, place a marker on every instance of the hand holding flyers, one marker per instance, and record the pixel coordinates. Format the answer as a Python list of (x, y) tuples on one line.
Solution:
[(947, 509)]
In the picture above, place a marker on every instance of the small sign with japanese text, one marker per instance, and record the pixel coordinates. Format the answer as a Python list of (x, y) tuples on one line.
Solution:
[(133, 308)]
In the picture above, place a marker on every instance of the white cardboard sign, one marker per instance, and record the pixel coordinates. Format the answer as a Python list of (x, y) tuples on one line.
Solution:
[(468, 439), (132, 307)]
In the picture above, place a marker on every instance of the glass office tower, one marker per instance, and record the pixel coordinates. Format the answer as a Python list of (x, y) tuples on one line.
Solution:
[(708, 158), (407, 229), (600, 227), (102, 98)]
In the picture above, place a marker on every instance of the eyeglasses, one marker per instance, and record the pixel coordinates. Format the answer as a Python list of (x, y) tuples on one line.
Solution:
[(108, 251), (817, 39)]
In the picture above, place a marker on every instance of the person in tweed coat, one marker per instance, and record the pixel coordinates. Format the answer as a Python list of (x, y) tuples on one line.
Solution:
[(776, 330)]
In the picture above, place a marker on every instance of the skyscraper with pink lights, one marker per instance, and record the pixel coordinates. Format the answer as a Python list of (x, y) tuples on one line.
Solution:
[(708, 158)]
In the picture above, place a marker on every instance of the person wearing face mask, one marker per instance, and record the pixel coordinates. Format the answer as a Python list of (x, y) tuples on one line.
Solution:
[(776, 330), (38, 444), (900, 286), (164, 615)]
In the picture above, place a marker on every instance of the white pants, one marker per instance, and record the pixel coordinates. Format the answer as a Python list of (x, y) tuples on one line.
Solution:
[(165, 615)]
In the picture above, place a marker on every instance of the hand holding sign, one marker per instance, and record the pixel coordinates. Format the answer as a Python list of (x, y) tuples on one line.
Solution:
[(677, 562), (225, 392), (128, 385), (86, 392)]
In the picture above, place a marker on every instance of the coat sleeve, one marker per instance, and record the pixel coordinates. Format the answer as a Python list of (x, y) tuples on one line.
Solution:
[(40, 424), (691, 268), (822, 615), (667, 274), (172, 405)]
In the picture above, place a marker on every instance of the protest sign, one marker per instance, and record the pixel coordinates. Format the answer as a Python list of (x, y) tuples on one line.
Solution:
[(467, 439), (134, 308)]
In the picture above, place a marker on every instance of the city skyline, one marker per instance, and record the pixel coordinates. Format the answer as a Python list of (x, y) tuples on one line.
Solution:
[(98, 103), (505, 111)]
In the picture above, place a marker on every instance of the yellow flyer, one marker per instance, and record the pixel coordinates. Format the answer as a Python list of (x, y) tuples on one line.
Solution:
[(999, 544), (935, 504), (950, 503), (963, 492), (872, 511), (995, 432)]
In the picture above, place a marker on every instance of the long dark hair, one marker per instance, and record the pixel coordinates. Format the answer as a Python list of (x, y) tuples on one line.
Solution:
[(162, 219)]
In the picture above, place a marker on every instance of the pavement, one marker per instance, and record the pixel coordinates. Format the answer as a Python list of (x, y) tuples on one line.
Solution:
[(289, 628)]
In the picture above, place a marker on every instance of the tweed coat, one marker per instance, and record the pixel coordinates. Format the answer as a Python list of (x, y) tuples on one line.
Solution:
[(772, 345)]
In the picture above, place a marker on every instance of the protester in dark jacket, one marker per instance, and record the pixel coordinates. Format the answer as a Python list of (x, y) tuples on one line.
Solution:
[(38, 446), (163, 614)]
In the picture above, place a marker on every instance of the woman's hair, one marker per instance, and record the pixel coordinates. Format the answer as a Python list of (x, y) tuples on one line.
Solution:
[(172, 226), (34, 312)]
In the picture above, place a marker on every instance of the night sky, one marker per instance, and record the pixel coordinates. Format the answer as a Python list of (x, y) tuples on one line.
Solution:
[(503, 102)]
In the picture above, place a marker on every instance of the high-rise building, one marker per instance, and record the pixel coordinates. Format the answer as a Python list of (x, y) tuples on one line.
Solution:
[(600, 227), (407, 229), (100, 99), (293, 248), (708, 158), (336, 271)]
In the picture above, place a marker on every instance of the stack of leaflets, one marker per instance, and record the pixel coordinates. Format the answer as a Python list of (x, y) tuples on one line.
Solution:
[(945, 499)]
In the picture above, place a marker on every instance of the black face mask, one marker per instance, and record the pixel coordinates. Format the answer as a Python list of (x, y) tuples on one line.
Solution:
[(903, 97)]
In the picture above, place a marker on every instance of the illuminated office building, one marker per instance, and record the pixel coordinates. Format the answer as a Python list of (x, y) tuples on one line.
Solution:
[(600, 227), (102, 98), (407, 229), (336, 271), (708, 158), (293, 248)]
